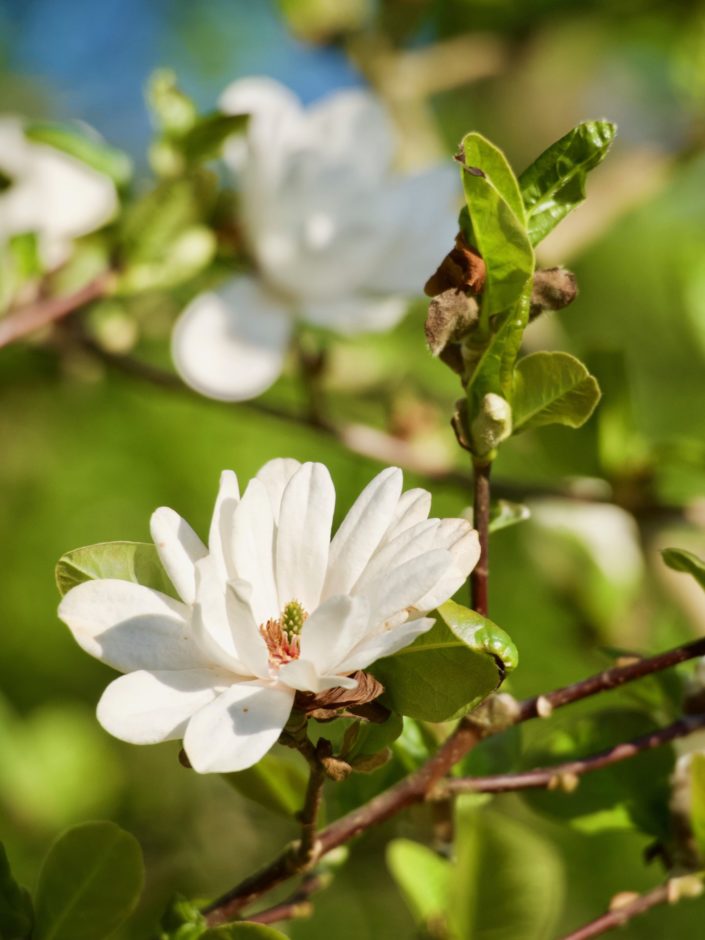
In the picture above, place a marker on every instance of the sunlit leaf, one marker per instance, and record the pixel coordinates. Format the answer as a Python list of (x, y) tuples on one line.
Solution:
[(449, 669), (480, 153), (552, 388), (126, 561), (554, 184), (15, 905), (89, 149), (89, 883), (504, 513), (277, 782), (423, 877), (681, 560)]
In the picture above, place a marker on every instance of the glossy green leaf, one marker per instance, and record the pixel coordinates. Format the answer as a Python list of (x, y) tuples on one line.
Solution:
[(504, 513), (16, 915), (629, 794), (243, 931), (497, 232), (423, 877), (89, 883), (205, 139), (552, 388), (681, 560), (126, 561), (480, 153), (91, 150), (554, 184), (507, 882), (697, 800), (448, 670), (277, 782)]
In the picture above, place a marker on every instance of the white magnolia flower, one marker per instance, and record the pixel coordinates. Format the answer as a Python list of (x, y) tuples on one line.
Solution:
[(46, 191), (338, 238), (271, 606)]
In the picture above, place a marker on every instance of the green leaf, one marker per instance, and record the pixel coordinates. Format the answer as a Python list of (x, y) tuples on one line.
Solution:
[(277, 782), (448, 670), (478, 152), (552, 388), (172, 110), (182, 921), (91, 150), (16, 915), (697, 800), (501, 239), (358, 740), (89, 883), (127, 561), (681, 560), (205, 139), (423, 877), (554, 184), (243, 931), (24, 251), (504, 513), (507, 881)]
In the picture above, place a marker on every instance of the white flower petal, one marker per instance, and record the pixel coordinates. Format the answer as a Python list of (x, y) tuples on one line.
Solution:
[(179, 549), (238, 728), (303, 536), (414, 506), (252, 550), (386, 643), (356, 313), (210, 623), (275, 475), (362, 530), (250, 647), (463, 542), (304, 677), (419, 539), (333, 630), (230, 344), (405, 586), (351, 127), (149, 707), (129, 626), (220, 534)]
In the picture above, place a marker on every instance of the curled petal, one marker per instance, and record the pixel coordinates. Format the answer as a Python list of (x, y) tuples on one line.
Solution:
[(179, 549)]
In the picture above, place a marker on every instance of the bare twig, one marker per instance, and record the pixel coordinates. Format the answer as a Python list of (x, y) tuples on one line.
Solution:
[(308, 848), (423, 783), (479, 579), (298, 905), (25, 320), (555, 777), (626, 909)]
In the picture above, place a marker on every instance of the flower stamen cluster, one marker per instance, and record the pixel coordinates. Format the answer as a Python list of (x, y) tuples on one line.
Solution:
[(282, 636)]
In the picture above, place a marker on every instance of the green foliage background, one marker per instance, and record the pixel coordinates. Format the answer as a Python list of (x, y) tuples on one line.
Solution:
[(88, 453)]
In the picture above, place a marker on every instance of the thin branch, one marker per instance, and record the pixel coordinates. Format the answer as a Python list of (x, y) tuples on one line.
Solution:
[(298, 905), (423, 783), (627, 909), (309, 814), (565, 774), (25, 320), (479, 579), (542, 705)]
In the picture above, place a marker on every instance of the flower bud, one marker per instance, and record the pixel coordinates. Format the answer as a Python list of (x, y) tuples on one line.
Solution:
[(492, 425)]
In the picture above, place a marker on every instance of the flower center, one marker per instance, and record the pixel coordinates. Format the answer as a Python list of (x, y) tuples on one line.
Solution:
[(282, 635)]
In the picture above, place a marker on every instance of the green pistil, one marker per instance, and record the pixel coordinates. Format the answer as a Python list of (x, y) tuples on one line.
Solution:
[(293, 617)]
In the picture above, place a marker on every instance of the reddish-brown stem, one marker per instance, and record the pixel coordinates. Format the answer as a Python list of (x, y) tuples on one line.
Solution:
[(623, 913), (419, 785), (479, 579), (550, 777), (27, 319), (298, 905)]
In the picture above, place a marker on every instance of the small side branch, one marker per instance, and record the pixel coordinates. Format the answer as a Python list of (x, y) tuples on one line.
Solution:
[(565, 774), (32, 317), (298, 905), (623, 911), (310, 813)]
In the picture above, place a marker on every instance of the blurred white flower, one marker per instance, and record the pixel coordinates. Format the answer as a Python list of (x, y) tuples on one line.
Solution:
[(339, 239), (271, 606), (46, 191)]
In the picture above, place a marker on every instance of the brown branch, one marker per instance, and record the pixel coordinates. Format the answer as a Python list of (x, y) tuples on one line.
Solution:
[(550, 777), (423, 783), (479, 579), (626, 908), (298, 905), (308, 847), (25, 320)]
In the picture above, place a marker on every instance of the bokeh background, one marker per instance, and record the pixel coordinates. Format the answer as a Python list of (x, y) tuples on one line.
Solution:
[(87, 453)]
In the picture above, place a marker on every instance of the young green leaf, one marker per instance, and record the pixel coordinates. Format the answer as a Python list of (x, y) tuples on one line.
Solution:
[(504, 513), (15, 905), (681, 560), (480, 153), (91, 150), (89, 883), (552, 388), (277, 781), (423, 877), (126, 561), (205, 139), (507, 881), (554, 184), (448, 670)]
